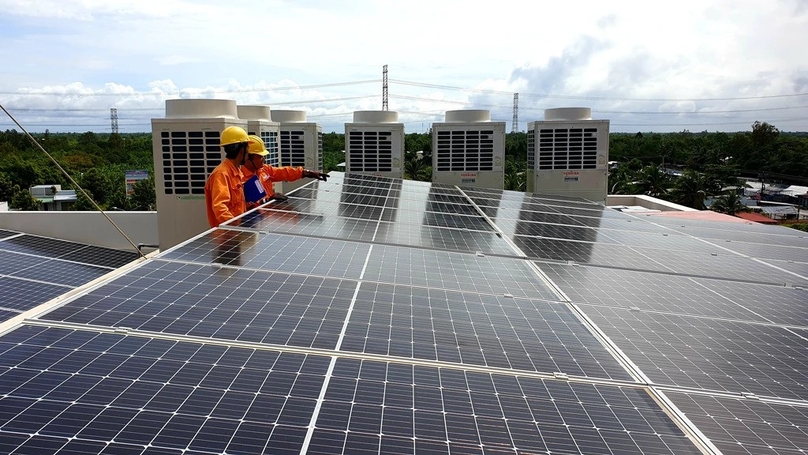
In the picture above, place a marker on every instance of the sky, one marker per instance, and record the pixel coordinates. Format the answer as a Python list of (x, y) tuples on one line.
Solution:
[(647, 66)]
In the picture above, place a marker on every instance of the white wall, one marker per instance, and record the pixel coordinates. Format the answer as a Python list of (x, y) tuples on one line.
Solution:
[(647, 202), (87, 227)]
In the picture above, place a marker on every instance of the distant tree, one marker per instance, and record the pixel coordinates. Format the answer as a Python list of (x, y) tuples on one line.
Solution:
[(7, 188), (691, 189), (82, 203), (97, 183), (416, 169), (729, 203), (24, 201), (144, 197), (652, 181)]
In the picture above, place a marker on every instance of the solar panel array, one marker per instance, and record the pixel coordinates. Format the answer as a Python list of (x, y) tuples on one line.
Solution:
[(35, 269), (374, 315)]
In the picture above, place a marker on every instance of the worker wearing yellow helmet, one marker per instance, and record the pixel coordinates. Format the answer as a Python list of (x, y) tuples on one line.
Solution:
[(257, 173), (224, 195)]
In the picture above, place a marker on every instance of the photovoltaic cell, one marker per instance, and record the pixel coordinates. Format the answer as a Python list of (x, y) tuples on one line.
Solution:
[(710, 354), (475, 329), (652, 292), (746, 426), (42, 246), (586, 253), (373, 407), (456, 271), (800, 268), (80, 391), (787, 253), (5, 234), (274, 252), (442, 239), (22, 295), (226, 304)]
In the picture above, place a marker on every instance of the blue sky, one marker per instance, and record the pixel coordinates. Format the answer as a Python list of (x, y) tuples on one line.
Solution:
[(715, 65)]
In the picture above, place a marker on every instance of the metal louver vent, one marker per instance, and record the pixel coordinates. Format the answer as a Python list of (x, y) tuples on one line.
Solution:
[(531, 148), (293, 148), (469, 150), (188, 158), (271, 143), (371, 151), (568, 148), (320, 151)]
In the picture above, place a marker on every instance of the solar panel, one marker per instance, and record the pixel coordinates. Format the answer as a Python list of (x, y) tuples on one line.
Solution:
[(743, 425), (393, 408), (710, 354), (376, 315), (80, 390), (21, 295)]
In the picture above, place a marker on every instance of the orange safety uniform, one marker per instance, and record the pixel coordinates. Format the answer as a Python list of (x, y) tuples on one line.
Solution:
[(268, 174), (224, 193)]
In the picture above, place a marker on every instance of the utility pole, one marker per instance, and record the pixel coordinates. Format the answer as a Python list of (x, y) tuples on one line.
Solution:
[(515, 124), (384, 88), (113, 117)]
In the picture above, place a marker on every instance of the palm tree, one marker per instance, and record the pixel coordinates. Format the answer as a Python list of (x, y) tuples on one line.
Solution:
[(652, 181), (691, 189), (730, 203), (416, 169)]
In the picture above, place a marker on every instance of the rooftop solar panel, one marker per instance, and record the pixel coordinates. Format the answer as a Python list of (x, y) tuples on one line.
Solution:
[(117, 393), (710, 354), (377, 315), (748, 426)]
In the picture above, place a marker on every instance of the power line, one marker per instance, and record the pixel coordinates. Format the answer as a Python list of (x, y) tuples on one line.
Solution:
[(582, 97), (202, 91)]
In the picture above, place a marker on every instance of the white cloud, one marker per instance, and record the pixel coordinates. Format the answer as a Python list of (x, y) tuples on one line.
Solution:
[(612, 57)]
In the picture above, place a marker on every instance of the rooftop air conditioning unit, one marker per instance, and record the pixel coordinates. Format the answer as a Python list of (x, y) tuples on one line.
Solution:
[(301, 145), (374, 144), (259, 123), (469, 149), (568, 154), (186, 149)]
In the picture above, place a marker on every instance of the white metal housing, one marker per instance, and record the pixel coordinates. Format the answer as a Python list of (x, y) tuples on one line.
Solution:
[(259, 123), (301, 144), (374, 144), (469, 149), (568, 154), (186, 149)]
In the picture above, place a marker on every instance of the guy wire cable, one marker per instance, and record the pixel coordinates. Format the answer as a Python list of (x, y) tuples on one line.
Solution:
[(72, 181)]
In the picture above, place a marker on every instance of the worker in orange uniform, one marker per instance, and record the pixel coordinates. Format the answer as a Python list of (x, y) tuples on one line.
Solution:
[(255, 170), (224, 194)]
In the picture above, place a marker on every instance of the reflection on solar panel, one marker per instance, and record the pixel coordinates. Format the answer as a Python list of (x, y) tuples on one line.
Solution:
[(35, 269), (372, 315)]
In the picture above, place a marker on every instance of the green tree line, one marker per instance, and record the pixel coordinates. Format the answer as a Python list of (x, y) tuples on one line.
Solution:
[(709, 162)]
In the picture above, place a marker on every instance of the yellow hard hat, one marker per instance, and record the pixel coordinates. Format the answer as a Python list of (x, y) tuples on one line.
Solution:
[(233, 135), (256, 146)]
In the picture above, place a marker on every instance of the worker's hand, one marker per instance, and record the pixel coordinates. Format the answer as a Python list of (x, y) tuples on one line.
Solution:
[(316, 175), (280, 197)]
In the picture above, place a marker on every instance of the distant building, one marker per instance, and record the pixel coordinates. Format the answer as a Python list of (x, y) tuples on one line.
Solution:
[(53, 197)]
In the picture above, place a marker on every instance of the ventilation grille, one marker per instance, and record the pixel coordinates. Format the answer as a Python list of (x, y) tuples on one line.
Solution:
[(568, 148), (371, 151), (188, 158), (320, 151), (271, 143), (293, 148), (531, 149), (465, 150)]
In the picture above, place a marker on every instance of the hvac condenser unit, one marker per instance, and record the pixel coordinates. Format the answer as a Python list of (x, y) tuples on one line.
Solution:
[(259, 123), (469, 149), (186, 149), (301, 144), (374, 144), (568, 154)]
